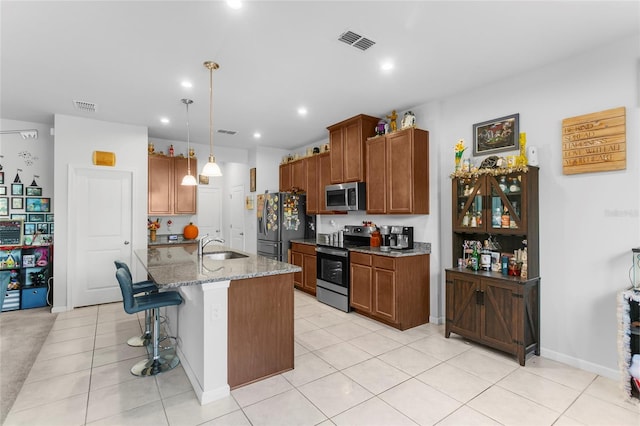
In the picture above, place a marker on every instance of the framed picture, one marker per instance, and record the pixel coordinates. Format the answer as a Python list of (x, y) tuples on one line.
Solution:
[(3, 190), (29, 228), (51, 228), (4, 206), (33, 191), (17, 189), (37, 217), (252, 179), (38, 205), (49, 217), (203, 180), (42, 228), (17, 203), (501, 134), (2, 178), (19, 216)]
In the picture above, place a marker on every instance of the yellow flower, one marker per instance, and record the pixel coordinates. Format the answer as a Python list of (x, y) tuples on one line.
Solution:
[(459, 148)]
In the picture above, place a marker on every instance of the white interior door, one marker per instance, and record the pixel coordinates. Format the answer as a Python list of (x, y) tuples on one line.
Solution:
[(237, 217), (209, 211), (100, 231)]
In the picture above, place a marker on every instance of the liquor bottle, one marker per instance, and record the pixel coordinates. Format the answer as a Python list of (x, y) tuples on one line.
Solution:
[(485, 257), (496, 220), (506, 218), (475, 257)]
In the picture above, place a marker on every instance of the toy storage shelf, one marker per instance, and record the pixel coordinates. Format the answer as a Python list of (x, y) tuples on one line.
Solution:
[(27, 271)]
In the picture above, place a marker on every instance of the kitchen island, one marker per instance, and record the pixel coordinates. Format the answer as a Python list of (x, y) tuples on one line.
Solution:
[(236, 323)]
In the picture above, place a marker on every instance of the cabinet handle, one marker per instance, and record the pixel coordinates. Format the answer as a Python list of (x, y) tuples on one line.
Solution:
[(479, 297)]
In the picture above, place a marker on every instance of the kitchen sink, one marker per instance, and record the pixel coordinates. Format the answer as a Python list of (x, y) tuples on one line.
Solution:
[(224, 255)]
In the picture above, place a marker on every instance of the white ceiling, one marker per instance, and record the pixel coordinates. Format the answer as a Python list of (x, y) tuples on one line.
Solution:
[(130, 57)]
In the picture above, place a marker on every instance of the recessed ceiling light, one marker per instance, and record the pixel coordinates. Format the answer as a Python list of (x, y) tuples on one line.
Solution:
[(164, 120), (386, 66), (186, 84), (257, 135), (302, 111), (234, 4)]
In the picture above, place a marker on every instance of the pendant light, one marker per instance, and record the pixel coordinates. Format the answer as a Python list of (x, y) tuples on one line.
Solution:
[(188, 180), (211, 168)]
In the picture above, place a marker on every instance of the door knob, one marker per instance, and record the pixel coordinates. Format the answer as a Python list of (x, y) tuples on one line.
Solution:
[(242, 233), (126, 243)]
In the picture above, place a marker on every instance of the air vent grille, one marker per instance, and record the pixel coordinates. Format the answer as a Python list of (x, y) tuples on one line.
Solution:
[(227, 132), (85, 106), (356, 40)]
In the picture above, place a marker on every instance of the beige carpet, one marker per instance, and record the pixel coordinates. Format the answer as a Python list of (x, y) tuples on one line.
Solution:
[(22, 334)]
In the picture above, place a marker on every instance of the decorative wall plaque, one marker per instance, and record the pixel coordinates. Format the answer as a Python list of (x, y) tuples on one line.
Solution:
[(594, 142)]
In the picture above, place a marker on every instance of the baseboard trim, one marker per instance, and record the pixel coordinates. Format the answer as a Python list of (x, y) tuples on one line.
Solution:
[(582, 364)]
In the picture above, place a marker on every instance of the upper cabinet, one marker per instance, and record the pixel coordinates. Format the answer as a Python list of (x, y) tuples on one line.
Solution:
[(166, 194), (347, 147), (397, 173)]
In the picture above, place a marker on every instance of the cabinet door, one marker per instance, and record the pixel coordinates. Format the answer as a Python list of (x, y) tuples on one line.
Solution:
[(324, 179), (160, 185), (336, 144), (384, 294), (376, 176), (353, 153), (498, 305), (507, 195), (361, 282), (185, 196), (285, 177), (468, 204), (399, 161), (312, 187), (299, 175), (297, 259), (463, 315), (309, 270)]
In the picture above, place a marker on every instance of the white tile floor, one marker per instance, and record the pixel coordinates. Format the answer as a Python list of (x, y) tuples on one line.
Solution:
[(349, 370)]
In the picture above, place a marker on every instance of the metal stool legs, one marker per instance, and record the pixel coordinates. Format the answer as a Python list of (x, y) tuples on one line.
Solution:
[(158, 363), (146, 337)]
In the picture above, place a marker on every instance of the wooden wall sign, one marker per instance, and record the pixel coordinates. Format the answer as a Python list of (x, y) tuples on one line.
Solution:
[(594, 142)]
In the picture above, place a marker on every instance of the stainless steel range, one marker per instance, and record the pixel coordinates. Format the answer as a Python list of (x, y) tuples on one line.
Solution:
[(332, 254)]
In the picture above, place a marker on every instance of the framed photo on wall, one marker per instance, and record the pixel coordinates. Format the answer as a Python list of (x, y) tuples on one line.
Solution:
[(17, 189), (4, 206), (2, 178), (252, 179), (29, 228), (3, 190), (17, 203), (38, 205), (37, 217), (49, 217), (42, 228), (19, 216), (33, 191), (500, 134)]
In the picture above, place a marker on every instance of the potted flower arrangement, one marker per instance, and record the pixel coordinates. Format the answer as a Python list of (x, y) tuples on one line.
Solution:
[(153, 227), (459, 150)]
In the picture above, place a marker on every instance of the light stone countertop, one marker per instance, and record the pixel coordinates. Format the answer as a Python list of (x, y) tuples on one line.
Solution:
[(418, 249), (180, 266)]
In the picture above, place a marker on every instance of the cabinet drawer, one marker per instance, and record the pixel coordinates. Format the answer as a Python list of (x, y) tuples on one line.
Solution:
[(11, 301), (361, 258), (304, 248), (384, 262)]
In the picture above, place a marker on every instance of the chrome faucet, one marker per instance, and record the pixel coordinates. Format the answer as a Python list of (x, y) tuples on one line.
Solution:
[(205, 240)]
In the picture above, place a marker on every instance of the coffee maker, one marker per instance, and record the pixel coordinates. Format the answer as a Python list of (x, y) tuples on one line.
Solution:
[(385, 238), (401, 238)]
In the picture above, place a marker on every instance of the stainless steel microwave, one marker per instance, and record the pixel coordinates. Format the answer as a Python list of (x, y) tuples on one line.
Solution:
[(346, 196)]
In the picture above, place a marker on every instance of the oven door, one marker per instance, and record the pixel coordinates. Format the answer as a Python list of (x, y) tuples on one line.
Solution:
[(333, 269)]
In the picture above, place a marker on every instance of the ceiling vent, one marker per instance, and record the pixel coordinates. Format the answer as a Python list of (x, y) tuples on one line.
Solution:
[(227, 132), (356, 40), (85, 106)]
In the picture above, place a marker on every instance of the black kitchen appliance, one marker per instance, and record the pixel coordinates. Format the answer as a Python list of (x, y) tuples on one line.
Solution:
[(332, 257), (401, 238), (281, 218)]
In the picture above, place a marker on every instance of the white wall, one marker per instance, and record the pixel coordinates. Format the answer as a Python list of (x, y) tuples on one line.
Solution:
[(588, 222), (75, 140)]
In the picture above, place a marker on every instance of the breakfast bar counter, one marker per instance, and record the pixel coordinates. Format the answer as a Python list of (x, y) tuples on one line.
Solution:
[(236, 323)]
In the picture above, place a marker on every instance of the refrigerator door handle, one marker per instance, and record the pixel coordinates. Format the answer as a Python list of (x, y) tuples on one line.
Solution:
[(263, 229)]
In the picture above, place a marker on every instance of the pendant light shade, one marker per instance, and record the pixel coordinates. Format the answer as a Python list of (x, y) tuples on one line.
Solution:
[(211, 168), (188, 180)]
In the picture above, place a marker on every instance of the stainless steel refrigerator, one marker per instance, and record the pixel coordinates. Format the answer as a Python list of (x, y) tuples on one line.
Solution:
[(281, 218)]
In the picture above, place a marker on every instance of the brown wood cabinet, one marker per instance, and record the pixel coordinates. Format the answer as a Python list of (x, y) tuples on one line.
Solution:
[(490, 307), (286, 177), (399, 163), (166, 195), (304, 255), (394, 290), (501, 313), (347, 150)]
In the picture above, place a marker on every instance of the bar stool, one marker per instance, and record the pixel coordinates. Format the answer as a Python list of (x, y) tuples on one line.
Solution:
[(140, 287), (153, 301)]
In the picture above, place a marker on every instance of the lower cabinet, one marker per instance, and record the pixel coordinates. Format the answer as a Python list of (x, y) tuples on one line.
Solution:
[(501, 313), (394, 290), (304, 255)]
